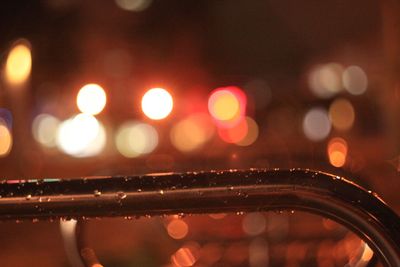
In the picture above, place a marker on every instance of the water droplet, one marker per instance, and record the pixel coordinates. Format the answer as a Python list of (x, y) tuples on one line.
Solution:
[(121, 195), (35, 220), (292, 211), (97, 193), (161, 192), (230, 188), (28, 197), (128, 217), (139, 190)]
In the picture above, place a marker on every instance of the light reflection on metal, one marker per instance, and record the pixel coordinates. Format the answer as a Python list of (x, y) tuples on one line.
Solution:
[(209, 192)]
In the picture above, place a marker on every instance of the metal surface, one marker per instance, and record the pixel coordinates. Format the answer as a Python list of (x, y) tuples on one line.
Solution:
[(208, 192)]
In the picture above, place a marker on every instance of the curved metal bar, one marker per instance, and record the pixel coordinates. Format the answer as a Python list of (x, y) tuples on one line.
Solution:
[(253, 190)]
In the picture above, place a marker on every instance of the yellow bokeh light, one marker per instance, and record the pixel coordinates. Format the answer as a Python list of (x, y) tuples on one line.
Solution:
[(44, 129), (177, 229), (337, 152), (224, 105), (192, 133), (252, 133), (18, 65), (91, 99), (134, 139), (81, 136), (341, 114), (5, 141), (157, 103)]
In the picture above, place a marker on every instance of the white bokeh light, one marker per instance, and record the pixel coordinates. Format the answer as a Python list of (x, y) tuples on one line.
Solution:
[(316, 124)]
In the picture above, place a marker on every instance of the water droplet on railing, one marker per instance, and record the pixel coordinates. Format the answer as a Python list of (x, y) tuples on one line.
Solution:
[(28, 197), (97, 193), (121, 195)]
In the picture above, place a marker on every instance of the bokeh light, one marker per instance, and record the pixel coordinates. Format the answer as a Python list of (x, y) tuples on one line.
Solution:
[(244, 133), (19, 64), (133, 5), (134, 139), (192, 132), (81, 136), (337, 151), (326, 80), (259, 253), (91, 99), (316, 124), (157, 103), (177, 229), (355, 81), (44, 129), (252, 133), (184, 257), (227, 105), (341, 114), (254, 223), (6, 140)]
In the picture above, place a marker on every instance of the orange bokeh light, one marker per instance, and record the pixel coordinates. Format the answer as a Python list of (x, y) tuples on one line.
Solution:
[(337, 151), (227, 105)]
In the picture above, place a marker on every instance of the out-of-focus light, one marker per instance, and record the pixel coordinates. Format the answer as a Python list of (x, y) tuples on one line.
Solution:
[(355, 80), (157, 103), (44, 129), (133, 5), (81, 136), (326, 80), (211, 253), (91, 99), (367, 253), (183, 257), (227, 105), (134, 139), (258, 253), (177, 229), (243, 133), (341, 113), (19, 64), (254, 223), (337, 152), (217, 216), (252, 133), (6, 140), (316, 124), (192, 133)]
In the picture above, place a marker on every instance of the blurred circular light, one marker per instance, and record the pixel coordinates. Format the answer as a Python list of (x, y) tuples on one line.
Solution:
[(192, 133), (177, 229), (157, 103), (81, 136), (254, 223), (6, 140), (258, 253), (183, 257), (252, 133), (316, 124), (44, 129), (326, 80), (337, 152), (341, 113), (91, 99), (134, 139), (355, 80), (133, 5), (234, 134), (227, 105), (18, 64)]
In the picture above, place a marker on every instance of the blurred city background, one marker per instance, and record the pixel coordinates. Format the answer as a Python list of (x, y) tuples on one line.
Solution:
[(129, 87)]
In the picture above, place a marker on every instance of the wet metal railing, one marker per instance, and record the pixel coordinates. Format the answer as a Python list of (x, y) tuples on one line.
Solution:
[(206, 192)]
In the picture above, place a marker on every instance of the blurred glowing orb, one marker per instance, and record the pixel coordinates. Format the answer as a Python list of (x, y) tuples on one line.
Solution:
[(133, 5), (316, 124), (259, 253), (134, 139), (337, 152), (44, 129), (192, 133), (81, 136), (18, 64), (177, 229), (355, 80), (227, 105), (244, 133), (6, 140), (341, 113), (157, 103), (91, 99), (183, 257), (254, 223), (326, 80)]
